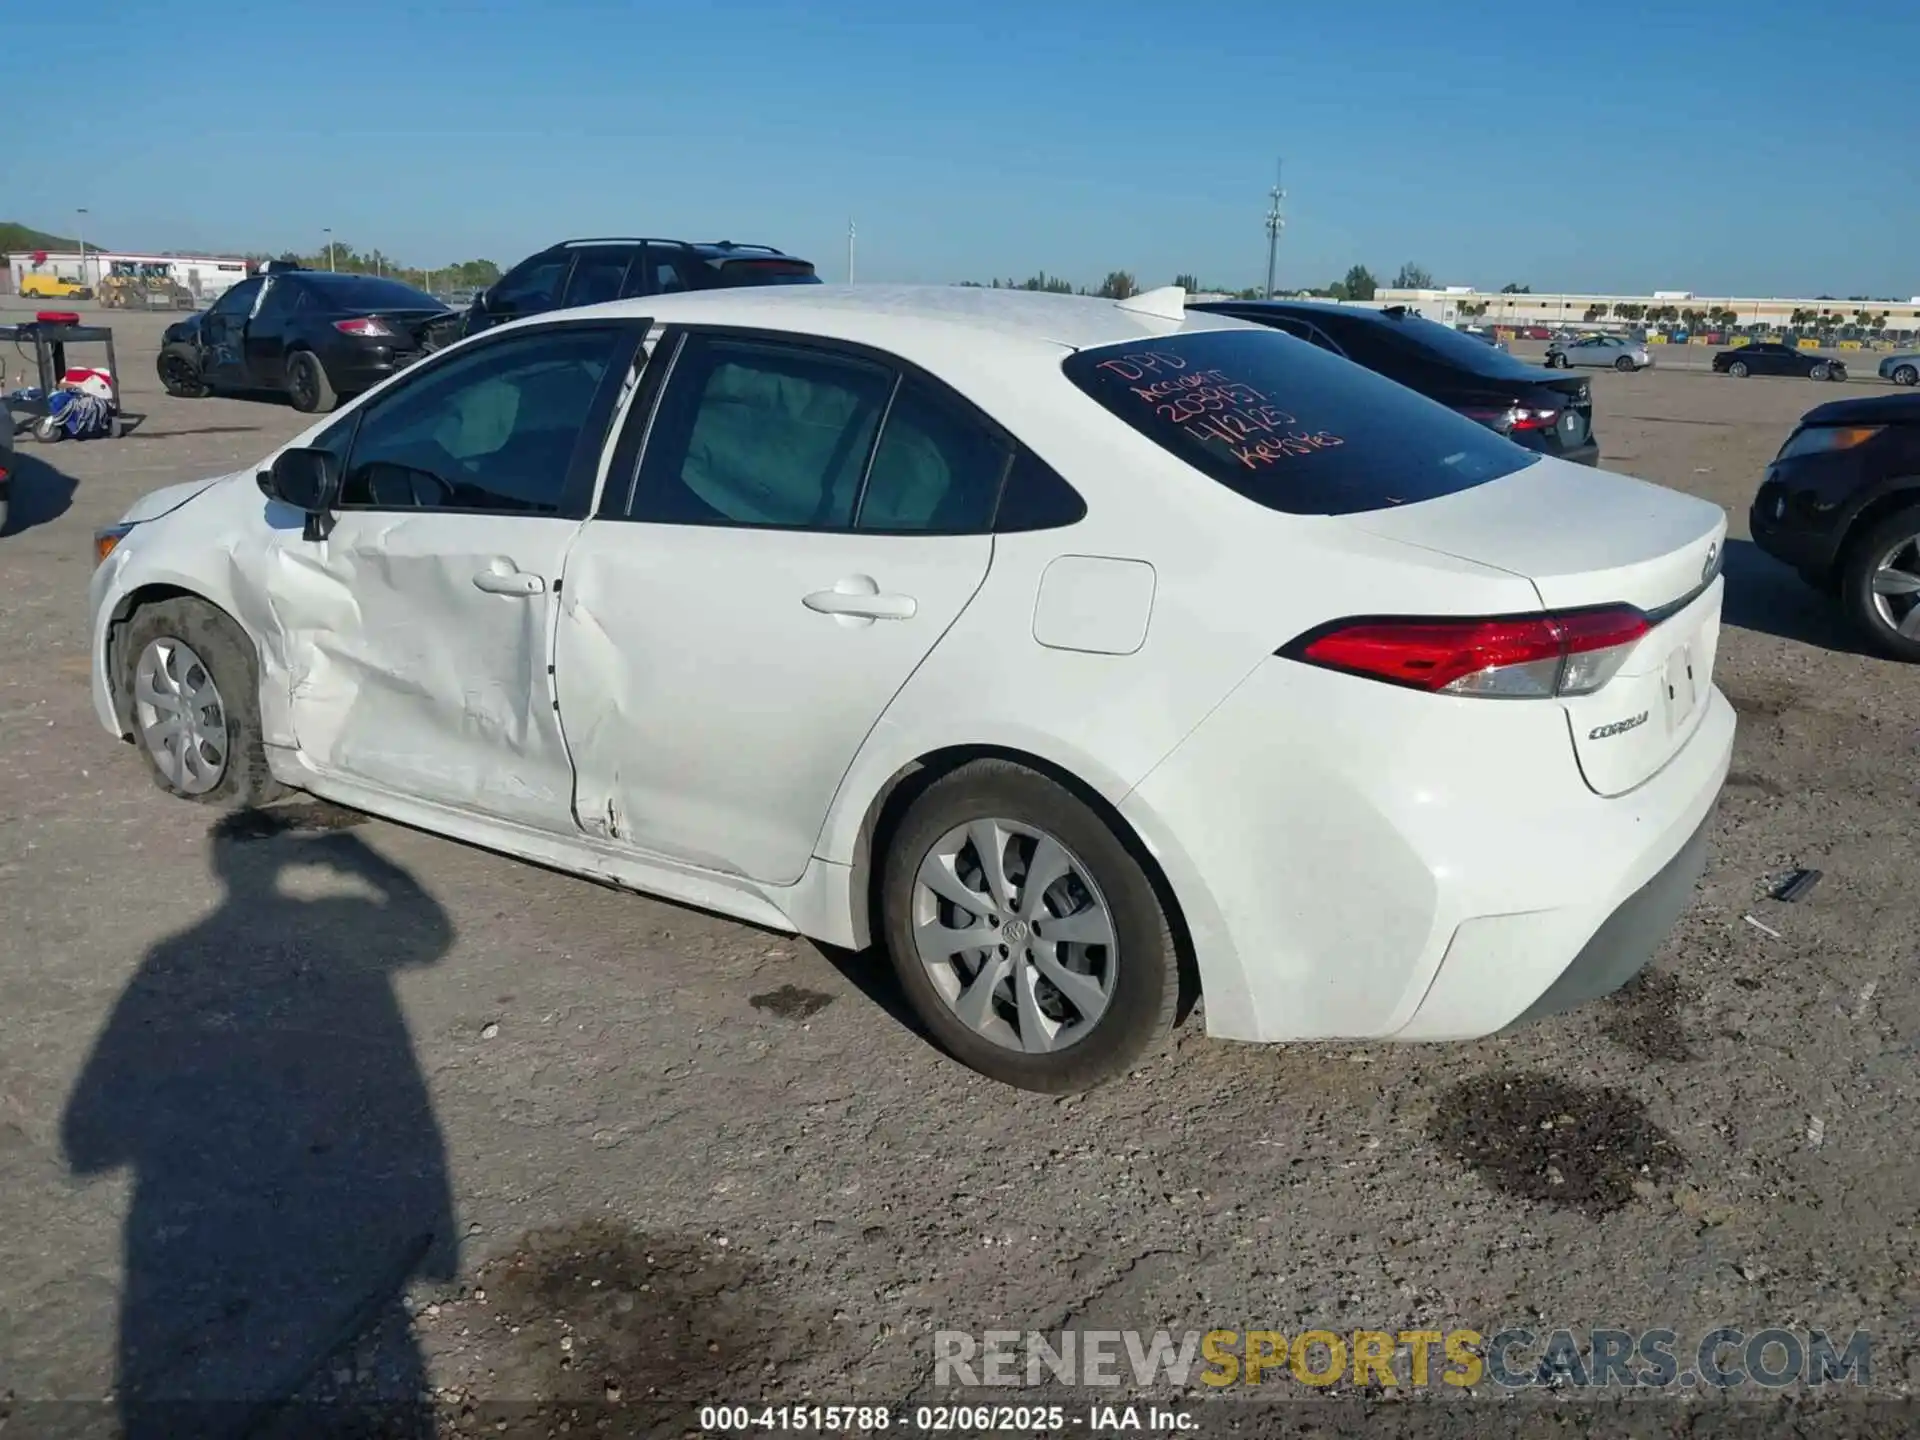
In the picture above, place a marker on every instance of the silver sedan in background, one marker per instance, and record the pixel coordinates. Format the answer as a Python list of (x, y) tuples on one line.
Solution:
[(1599, 352), (1901, 369)]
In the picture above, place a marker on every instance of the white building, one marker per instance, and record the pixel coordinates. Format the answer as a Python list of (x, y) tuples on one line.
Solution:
[(1772, 312), (207, 276)]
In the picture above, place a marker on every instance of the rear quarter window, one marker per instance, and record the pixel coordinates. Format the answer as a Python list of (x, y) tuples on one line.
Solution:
[(1290, 426)]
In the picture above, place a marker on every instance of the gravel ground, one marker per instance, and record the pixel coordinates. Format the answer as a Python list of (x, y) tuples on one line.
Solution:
[(322, 1107)]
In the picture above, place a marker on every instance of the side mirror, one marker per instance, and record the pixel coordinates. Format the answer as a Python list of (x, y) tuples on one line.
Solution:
[(308, 480)]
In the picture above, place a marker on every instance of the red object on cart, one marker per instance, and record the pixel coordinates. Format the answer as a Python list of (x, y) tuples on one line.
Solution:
[(58, 317)]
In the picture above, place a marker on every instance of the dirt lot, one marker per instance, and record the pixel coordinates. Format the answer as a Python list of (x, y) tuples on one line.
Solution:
[(348, 1109)]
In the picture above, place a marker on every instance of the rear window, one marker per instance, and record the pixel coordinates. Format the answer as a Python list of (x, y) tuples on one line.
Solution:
[(1418, 337), (1291, 426), (368, 292), (766, 272)]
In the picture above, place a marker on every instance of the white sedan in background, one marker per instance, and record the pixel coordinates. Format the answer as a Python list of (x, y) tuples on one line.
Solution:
[(1599, 352), (1085, 655)]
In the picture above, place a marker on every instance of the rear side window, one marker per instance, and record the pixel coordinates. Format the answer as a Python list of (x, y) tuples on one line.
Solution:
[(1289, 426), (765, 272)]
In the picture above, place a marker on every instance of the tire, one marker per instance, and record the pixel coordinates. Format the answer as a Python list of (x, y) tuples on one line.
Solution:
[(308, 389), (179, 370), (1625, 365), (1738, 369), (1139, 963), (215, 645), (1906, 375), (1819, 372), (1866, 554), (48, 430)]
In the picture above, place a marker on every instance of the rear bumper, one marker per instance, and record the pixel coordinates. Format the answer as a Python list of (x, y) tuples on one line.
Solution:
[(1628, 938), (352, 373), (1412, 867)]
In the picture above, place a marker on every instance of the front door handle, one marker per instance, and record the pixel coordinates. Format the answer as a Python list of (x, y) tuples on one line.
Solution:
[(509, 582), (858, 597)]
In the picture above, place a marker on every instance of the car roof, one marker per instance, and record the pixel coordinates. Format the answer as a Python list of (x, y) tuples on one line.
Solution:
[(1034, 319), (713, 249), (1903, 409)]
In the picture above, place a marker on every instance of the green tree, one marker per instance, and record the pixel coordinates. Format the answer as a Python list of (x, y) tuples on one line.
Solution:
[(1594, 312), (1117, 286), (1359, 284), (1412, 277), (1189, 283), (1514, 288)]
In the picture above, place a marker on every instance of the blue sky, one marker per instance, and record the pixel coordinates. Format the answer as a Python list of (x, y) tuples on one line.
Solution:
[(1752, 146)]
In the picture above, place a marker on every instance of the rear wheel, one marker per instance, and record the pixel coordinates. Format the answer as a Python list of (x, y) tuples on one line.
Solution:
[(1031, 942), (1625, 365), (1880, 584), (180, 373), (1906, 375), (194, 679), (308, 388), (1738, 369)]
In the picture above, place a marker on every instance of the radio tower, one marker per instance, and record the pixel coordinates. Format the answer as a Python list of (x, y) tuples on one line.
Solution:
[(1275, 224)]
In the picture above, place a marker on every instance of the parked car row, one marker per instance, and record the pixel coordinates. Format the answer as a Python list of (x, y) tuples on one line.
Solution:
[(320, 337)]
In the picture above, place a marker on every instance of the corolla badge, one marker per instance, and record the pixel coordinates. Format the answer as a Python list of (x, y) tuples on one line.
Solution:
[(1618, 727)]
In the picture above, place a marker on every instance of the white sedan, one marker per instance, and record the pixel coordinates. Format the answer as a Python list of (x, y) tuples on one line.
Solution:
[(1087, 656)]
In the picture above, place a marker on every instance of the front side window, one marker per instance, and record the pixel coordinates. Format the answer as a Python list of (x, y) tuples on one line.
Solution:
[(1289, 426), (494, 429), (765, 434), (596, 277), (530, 287), (238, 300)]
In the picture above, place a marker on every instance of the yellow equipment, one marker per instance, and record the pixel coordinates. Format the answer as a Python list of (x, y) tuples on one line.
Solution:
[(143, 285)]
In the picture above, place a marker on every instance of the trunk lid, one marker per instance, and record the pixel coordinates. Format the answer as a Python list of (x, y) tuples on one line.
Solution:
[(1588, 537)]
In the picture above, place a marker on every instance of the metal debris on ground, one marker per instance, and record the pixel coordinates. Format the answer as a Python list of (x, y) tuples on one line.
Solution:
[(1763, 929), (1794, 885)]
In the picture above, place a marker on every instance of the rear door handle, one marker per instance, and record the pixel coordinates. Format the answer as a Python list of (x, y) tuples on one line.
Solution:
[(509, 582), (859, 597)]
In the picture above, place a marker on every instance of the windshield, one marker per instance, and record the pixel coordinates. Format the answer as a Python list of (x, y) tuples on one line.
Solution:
[(368, 292), (1291, 426)]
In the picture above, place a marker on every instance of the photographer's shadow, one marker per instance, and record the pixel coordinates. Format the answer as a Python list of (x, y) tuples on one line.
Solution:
[(289, 1176)]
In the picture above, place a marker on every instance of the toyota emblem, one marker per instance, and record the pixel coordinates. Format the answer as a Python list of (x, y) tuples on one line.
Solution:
[(1713, 562)]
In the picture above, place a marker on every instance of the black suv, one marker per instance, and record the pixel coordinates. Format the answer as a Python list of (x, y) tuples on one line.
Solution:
[(1538, 408), (586, 272), (1841, 504)]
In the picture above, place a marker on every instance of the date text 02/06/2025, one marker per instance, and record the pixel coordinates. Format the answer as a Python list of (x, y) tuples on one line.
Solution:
[(945, 1419)]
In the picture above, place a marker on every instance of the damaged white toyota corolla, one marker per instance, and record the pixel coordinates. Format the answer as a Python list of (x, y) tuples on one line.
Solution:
[(1087, 655)]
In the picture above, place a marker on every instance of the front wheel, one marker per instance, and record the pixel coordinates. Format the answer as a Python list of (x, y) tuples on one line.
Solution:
[(1738, 370), (1880, 584), (308, 388), (1818, 372), (1029, 939), (194, 679), (1906, 375), (180, 373)]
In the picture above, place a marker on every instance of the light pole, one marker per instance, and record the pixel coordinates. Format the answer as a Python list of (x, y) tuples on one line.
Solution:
[(1275, 224), (80, 225), (328, 232), (849, 250)]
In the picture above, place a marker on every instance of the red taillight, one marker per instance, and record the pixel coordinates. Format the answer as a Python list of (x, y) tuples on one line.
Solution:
[(1514, 417), (1512, 657), (364, 325)]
